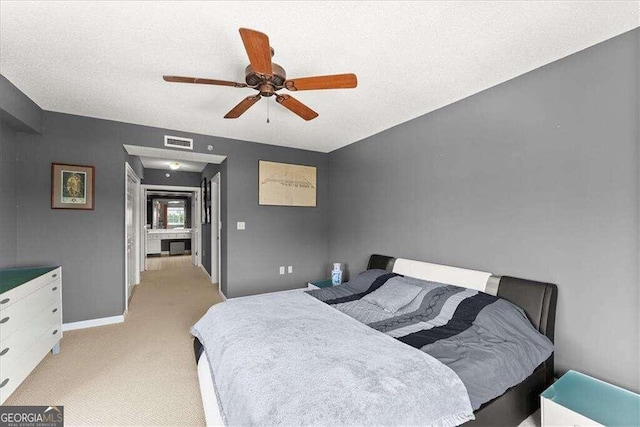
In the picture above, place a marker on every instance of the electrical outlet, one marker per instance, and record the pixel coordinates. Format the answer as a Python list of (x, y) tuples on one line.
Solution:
[(290, 269), (240, 225), (282, 270)]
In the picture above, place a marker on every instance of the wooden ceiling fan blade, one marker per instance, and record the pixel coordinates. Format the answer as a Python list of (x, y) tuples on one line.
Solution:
[(243, 106), (296, 107), (197, 80), (257, 46), (334, 81)]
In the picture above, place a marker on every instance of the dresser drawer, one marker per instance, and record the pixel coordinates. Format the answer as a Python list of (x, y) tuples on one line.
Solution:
[(19, 314), (153, 247), (184, 235), (12, 376), (18, 342), (16, 294)]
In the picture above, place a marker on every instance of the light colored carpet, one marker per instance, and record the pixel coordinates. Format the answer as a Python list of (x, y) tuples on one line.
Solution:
[(140, 372)]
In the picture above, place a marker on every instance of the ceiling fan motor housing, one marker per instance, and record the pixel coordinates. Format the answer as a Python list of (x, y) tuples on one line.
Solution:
[(254, 79)]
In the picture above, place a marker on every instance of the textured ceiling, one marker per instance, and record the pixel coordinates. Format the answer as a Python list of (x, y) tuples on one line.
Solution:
[(106, 59)]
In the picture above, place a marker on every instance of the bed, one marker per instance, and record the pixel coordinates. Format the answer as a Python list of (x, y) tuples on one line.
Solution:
[(536, 299)]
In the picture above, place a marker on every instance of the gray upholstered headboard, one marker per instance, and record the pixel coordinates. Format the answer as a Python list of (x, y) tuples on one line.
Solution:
[(537, 299)]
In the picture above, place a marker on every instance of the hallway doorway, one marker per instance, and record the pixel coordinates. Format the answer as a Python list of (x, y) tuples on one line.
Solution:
[(172, 227)]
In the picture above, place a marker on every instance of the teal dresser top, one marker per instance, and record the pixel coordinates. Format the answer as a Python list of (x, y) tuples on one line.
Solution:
[(327, 283), (14, 277), (602, 402)]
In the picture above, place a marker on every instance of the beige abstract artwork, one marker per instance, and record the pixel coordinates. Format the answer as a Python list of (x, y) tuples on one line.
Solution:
[(283, 184)]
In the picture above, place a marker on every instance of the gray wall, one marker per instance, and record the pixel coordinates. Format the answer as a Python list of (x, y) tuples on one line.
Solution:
[(536, 178), (17, 110), (275, 235), (179, 178), (8, 201), (18, 114), (209, 172), (90, 244)]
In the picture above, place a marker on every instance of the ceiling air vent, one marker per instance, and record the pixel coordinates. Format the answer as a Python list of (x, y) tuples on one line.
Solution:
[(177, 142)]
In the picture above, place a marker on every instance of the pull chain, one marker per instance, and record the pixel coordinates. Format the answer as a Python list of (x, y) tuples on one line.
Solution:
[(268, 109)]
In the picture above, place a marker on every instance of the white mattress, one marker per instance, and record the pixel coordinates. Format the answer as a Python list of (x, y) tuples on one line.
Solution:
[(208, 393)]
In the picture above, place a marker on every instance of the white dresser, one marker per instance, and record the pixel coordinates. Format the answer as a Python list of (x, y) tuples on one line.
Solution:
[(155, 238), (30, 322)]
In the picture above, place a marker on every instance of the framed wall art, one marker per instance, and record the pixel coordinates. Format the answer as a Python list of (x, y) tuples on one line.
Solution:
[(283, 184), (72, 186)]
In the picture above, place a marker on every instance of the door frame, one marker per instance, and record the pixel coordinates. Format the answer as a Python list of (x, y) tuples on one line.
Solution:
[(198, 228), (129, 172), (216, 178)]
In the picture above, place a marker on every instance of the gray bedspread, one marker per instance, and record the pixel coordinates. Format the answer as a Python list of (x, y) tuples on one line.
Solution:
[(288, 359), (486, 340)]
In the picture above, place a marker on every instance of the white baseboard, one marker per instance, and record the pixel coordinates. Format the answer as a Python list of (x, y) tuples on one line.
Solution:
[(224, 297), (205, 271), (92, 323)]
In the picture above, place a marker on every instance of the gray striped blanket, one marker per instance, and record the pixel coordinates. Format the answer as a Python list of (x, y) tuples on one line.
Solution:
[(486, 340)]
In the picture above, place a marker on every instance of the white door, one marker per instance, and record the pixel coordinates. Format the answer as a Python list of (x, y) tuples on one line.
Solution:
[(131, 234), (215, 233), (195, 228)]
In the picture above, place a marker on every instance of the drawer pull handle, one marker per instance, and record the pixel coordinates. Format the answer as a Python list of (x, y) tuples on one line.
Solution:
[(5, 351), (54, 310), (55, 275), (54, 288), (55, 332), (4, 301), (4, 320), (4, 383)]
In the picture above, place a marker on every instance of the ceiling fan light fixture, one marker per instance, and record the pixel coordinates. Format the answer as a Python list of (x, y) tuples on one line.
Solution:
[(268, 78), (174, 166)]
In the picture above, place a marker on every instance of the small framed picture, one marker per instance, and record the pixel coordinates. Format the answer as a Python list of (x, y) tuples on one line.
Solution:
[(72, 186)]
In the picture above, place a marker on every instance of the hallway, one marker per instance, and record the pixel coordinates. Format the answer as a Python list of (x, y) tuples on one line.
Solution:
[(165, 262), (140, 372)]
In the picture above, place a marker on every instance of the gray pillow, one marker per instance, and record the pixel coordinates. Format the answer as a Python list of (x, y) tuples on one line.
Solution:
[(393, 295)]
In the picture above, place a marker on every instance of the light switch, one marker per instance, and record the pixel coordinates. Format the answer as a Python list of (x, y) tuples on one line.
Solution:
[(290, 269), (282, 270), (241, 225)]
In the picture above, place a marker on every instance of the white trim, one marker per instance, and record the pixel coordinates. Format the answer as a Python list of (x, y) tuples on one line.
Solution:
[(218, 178), (198, 226), (205, 271), (92, 323), (172, 154), (129, 172), (215, 231), (224, 297), (169, 187)]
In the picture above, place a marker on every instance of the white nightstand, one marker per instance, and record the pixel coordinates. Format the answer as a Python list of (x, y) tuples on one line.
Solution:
[(580, 400)]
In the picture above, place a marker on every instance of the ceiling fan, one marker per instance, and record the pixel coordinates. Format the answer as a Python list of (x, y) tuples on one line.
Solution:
[(268, 78)]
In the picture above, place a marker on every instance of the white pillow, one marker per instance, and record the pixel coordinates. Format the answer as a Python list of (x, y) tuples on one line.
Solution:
[(393, 295)]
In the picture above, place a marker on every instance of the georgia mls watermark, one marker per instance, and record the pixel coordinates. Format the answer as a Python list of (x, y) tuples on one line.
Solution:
[(31, 416)]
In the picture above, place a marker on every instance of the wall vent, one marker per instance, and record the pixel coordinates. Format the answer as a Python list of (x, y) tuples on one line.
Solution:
[(177, 142)]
